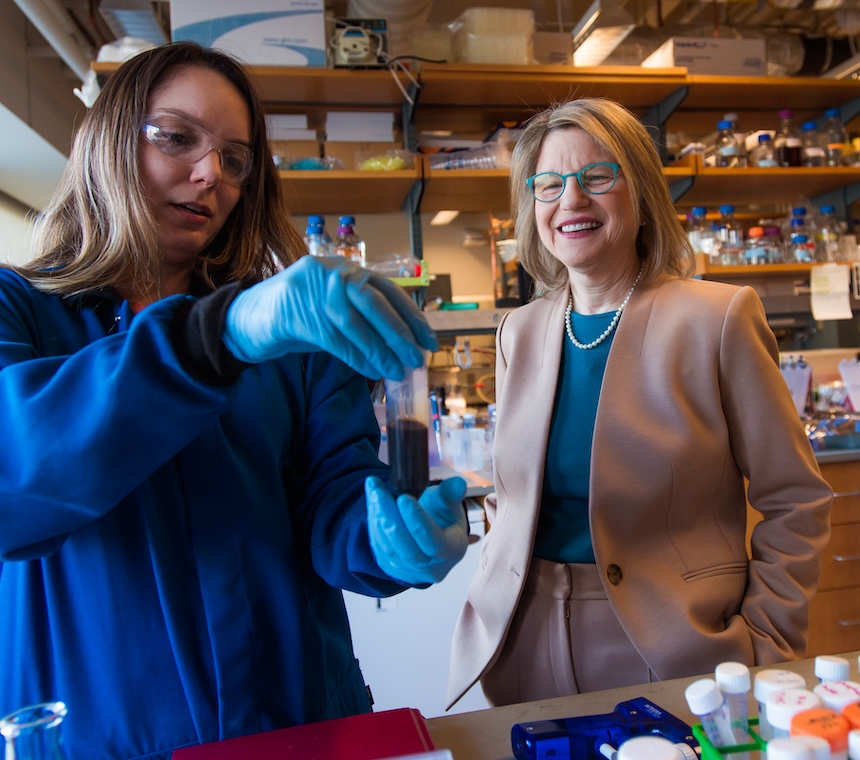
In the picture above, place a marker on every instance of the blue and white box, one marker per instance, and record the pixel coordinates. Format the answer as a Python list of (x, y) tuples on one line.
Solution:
[(259, 33)]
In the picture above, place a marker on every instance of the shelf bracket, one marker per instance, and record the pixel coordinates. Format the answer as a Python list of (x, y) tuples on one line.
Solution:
[(680, 188), (412, 207), (656, 117)]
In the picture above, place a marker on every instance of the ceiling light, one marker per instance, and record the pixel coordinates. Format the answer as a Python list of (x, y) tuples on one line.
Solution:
[(600, 30), (444, 217)]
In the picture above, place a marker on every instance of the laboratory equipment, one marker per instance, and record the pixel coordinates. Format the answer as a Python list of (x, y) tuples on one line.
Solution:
[(582, 738), (407, 425), (33, 733)]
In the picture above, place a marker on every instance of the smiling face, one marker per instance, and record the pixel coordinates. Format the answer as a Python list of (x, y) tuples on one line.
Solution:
[(191, 201), (586, 233)]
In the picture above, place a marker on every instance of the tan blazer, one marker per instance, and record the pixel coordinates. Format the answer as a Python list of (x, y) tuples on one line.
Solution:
[(692, 403)]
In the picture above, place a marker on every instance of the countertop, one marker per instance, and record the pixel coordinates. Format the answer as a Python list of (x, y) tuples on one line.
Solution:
[(486, 734)]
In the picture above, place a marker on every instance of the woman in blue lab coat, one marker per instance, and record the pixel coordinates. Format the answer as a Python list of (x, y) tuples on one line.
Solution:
[(189, 473)]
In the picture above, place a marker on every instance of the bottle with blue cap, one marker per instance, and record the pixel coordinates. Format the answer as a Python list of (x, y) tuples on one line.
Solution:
[(347, 243), (835, 137), (729, 154)]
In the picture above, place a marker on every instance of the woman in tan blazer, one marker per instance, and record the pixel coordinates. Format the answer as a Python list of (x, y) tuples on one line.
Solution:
[(634, 403)]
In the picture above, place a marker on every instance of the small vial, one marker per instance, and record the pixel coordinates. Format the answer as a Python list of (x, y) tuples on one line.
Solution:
[(854, 744), (818, 747), (782, 706), (407, 412), (733, 680), (837, 695), (790, 748), (706, 701), (647, 748), (826, 724), (831, 668), (768, 682)]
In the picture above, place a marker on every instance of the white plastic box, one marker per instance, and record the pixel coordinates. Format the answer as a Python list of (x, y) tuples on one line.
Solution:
[(711, 55), (259, 32), (494, 35)]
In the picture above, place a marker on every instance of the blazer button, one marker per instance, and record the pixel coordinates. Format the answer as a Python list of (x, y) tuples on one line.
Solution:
[(613, 572)]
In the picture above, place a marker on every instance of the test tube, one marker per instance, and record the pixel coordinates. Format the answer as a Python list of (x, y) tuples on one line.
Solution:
[(767, 682), (782, 706), (407, 416), (733, 680), (707, 701)]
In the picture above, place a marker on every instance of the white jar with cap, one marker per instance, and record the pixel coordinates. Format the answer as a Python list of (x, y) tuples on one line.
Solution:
[(789, 748), (768, 682), (837, 695), (782, 706), (828, 667), (647, 748), (854, 744)]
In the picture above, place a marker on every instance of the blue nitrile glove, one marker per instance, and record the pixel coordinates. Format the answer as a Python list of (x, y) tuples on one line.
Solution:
[(417, 541), (330, 304)]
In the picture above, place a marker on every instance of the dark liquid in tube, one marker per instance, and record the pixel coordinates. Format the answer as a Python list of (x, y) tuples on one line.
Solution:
[(408, 455)]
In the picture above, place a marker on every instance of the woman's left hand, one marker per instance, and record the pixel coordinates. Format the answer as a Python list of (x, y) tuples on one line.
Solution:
[(417, 541)]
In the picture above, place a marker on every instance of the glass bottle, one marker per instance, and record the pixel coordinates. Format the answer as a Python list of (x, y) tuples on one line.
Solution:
[(812, 152), (764, 154), (828, 236), (347, 243), (786, 141), (700, 232), (755, 249), (729, 152), (33, 733), (327, 242), (314, 240), (835, 138), (774, 245), (729, 244)]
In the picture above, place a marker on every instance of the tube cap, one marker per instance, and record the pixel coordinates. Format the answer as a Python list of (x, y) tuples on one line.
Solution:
[(827, 724), (733, 678), (854, 743), (788, 748), (852, 714), (647, 748), (837, 695), (782, 706), (831, 668), (772, 680), (703, 696)]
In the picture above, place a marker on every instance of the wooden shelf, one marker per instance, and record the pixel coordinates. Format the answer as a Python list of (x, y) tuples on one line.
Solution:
[(347, 192)]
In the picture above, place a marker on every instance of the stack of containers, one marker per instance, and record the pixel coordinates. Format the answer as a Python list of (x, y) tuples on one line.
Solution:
[(494, 35)]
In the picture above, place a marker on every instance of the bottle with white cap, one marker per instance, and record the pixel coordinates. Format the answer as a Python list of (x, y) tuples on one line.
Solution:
[(733, 680), (828, 667), (819, 747), (782, 706), (790, 748), (648, 748), (707, 701), (767, 682), (837, 695), (854, 744)]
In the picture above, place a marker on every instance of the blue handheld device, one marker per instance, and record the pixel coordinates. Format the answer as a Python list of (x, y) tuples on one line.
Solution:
[(581, 738)]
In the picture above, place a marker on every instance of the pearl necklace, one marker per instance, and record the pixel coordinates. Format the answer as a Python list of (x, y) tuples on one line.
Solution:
[(612, 325)]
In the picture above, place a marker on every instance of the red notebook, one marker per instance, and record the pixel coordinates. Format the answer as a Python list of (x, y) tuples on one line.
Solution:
[(359, 737)]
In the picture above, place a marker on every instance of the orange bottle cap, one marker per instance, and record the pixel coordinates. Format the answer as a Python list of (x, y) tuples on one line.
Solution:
[(852, 713), (827, 724)]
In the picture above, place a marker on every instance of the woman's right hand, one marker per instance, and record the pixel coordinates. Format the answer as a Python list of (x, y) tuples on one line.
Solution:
[(330, 304)]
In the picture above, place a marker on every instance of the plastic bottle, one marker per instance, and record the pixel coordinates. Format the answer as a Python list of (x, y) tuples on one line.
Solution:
[(767, 682), (828, 236), (774, 245), (827, 725), (314, 240), (829, 667), (729, 243), (320, 220), (835, 138), (764, 154), (786, 140), (347, 243), (733, 680), (730, 154), (789, 748), (837, 695), (700, 232), (782, 706), (812, 151), (755, 248), (706, 701)]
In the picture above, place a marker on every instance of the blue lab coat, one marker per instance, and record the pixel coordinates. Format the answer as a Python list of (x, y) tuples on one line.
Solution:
[(172, 550)]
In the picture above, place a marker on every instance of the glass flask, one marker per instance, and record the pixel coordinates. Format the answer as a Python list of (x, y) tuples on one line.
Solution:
[(33, 733)]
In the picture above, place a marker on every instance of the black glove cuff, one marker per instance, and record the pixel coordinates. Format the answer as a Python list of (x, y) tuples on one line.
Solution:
[(197, 333)]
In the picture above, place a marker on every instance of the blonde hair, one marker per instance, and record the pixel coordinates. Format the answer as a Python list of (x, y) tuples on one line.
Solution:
[(97, 230), (661, 244)]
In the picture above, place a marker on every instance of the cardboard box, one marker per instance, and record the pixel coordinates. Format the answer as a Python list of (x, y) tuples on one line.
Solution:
[(263, 32), (711, 55)]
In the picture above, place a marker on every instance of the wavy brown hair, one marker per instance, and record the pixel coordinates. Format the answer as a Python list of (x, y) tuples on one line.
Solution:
[(661, 244), (97, 230)]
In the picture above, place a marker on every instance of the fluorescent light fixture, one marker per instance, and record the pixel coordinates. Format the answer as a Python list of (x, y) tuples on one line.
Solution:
[(444, 217), (600, 30)]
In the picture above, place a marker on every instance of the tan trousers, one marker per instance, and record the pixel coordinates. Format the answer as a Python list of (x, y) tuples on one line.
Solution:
[(564, 639)]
